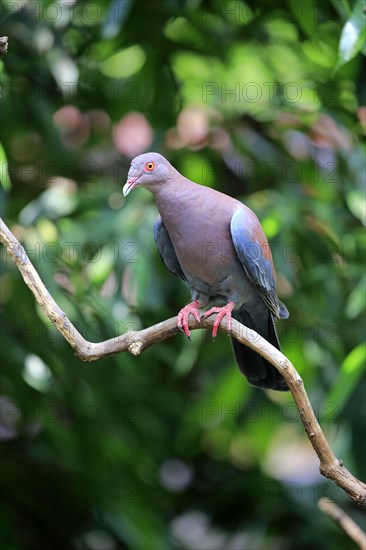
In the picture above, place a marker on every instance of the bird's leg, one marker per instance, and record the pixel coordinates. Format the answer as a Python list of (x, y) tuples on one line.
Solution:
[(185, 312), (222, 312)]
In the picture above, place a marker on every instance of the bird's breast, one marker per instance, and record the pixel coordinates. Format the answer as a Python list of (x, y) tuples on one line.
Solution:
[(198, 222), (204, 249)]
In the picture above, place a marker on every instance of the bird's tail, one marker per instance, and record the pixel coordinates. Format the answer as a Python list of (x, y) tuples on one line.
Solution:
[(258, 371)]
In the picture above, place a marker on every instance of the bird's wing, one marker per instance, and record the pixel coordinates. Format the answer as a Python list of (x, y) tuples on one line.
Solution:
[(166, 249), (254, 254)]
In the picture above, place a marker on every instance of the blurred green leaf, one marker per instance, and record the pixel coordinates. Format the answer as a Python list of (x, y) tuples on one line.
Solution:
[(353, 34), (342, 7), (356, 303), (101, 265), (357, 204), (5, 178), (124, 63), (353, 367)]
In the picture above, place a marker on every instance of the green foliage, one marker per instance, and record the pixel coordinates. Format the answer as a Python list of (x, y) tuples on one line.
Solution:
[(353, 34), (173, 449), (5, 179)]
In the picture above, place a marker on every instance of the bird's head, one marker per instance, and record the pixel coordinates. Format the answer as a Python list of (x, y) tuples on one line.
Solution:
[(148, 170)]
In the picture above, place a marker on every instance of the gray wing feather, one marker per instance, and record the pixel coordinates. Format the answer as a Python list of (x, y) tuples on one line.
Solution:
[(166, 249), (257, 268)]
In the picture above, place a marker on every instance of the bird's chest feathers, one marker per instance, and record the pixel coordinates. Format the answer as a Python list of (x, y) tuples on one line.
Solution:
[(201, 239)]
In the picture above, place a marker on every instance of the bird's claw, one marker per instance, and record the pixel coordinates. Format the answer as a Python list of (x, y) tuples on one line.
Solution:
[(183, 317), (222, 312)]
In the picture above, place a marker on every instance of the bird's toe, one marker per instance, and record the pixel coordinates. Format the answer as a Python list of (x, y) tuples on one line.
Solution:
[(222, 312), (183, 317)]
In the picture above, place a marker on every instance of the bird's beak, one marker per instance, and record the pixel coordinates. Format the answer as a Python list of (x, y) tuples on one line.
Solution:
[(130, 184)]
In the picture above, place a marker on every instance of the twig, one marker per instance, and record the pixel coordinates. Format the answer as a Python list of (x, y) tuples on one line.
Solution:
[(136, 342), (344, 521)]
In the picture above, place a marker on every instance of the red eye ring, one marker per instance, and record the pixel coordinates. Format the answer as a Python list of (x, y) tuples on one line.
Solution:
[(150, 166)]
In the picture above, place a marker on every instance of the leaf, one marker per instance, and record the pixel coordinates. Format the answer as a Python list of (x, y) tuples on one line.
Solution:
[(4, 173), (353, 34), (117, 13), (352, 369), (356, 202), (306, 19), (342, 8), (100, 266), (356, 302)]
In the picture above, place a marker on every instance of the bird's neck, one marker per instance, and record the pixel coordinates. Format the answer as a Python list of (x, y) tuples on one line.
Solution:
[(174, 200)]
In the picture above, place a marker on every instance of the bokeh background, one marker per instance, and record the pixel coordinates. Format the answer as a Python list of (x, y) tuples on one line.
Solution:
[(263, 100)]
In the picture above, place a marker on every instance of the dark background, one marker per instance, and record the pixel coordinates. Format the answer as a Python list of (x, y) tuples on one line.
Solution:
[(263, 100)]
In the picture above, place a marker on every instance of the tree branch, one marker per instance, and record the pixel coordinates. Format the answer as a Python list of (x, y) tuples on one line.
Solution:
[(137, 341), (344, 521)]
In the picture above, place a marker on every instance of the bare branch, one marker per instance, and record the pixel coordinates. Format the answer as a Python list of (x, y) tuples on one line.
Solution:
[(344, 521), (136, 342)]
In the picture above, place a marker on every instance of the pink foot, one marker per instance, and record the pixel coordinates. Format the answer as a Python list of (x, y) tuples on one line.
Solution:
[(222, 312), (185, 312)]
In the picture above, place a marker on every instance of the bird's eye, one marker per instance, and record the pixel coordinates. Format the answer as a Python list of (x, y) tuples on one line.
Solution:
[(150, 166)]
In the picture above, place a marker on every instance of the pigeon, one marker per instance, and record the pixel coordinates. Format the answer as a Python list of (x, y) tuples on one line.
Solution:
[(217, 246)]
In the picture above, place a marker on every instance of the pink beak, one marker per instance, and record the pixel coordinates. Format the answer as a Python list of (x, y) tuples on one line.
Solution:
[(130, 184)]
